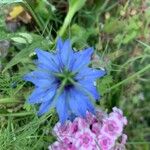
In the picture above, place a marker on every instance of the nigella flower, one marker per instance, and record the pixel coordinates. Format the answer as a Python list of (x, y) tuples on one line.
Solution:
[(65, 81)]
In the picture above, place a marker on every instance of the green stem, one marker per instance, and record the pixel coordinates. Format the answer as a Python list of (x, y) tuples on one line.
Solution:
[(8, 100), (134, 59), (136, 143), (74, 6), (34, 15), (104, 6), (67, 21), (144, 44), (17, 114), (130, 78)]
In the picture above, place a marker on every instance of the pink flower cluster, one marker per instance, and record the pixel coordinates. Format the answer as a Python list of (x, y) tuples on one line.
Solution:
[(96, 132)]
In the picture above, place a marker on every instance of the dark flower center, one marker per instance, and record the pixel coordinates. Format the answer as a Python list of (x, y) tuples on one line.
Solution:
[(66, 77)]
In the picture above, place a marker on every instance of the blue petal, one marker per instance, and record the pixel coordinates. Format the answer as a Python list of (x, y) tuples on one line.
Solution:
[(39, 95), (40, 79), (45, 107), (90, 106), (82, 59), (43, 83), (89, 73), (77, 103), (59, 44), (89, 86), (65, 51), (61, 107), (47, 60), (66, 54), (39, 74), (72, 116)]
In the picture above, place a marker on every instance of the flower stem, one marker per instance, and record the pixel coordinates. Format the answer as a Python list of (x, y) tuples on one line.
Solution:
[(130, 78), (8, 100), (19, 114), (74, 6)]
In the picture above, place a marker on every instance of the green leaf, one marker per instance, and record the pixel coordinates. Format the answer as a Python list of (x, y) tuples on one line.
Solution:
[(27, 36), (8, 100), (19, 40), (24, 53)]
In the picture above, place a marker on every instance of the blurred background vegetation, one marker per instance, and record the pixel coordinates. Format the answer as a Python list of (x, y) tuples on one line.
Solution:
[(119, 30)]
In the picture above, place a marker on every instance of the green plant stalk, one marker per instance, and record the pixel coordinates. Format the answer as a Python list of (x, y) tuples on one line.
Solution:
[(8, 100), (73, 8), (17, 114), (134, 59), (137, 143), (144, 44), (104, 6), (111, 7), (34, 15), (66, 22), (129, 78)]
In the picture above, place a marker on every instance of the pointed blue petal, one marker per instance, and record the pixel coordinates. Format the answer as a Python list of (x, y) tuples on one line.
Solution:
[(39, 95), (84, 101), (45, 107), (89, 86), (66, 53), (43, 83), (82, 59), (77, 103), (86, 73), (59, 44), (40, 79), (39, 74), (61, 108), (90, 106), (46, 60)]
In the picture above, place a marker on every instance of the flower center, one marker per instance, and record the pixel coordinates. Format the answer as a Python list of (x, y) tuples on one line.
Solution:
[(86, 140), (66, 76), (111, 127)]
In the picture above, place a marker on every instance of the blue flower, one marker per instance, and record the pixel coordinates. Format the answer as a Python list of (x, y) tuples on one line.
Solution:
[(64, 80)]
